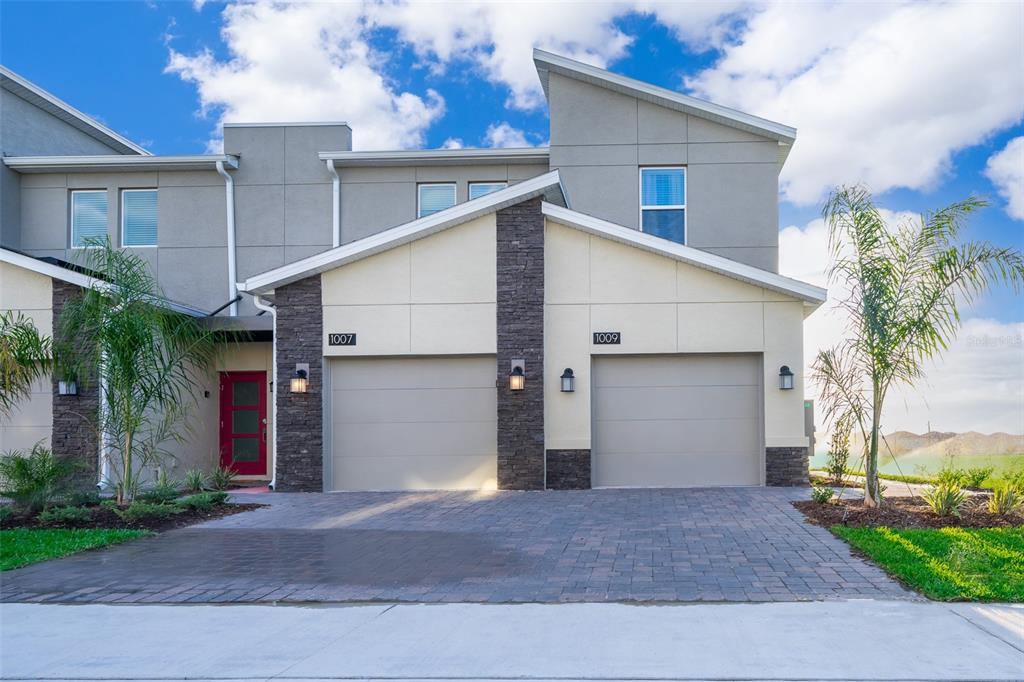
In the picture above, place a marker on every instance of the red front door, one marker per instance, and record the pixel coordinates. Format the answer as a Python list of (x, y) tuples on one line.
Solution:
[(243, 422)]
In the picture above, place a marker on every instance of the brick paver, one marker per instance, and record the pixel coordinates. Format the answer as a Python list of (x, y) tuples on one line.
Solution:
[(746, 544)]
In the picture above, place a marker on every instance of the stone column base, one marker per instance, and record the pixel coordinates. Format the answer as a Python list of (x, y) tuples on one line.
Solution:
[(568, 469), (786, 466)]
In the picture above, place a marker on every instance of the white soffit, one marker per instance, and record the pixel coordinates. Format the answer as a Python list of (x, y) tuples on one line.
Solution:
[(808, 293), (548, 186), (431, 157), (117, 163)]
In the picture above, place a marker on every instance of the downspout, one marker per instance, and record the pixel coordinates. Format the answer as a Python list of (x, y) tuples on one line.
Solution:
[(104, 467), (229, 195), (335, 201), (258, 302)]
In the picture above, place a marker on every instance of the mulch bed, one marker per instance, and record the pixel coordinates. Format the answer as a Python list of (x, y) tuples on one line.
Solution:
[(903, 512), (104, 517)]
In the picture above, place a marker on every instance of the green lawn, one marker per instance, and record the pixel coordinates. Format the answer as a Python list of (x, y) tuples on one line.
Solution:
[(948, 563), (21, 546)]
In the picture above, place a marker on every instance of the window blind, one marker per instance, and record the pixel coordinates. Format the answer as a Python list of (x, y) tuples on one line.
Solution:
[(662, 187), (140, 217), (479, 189), (88, 217), (434, 198)]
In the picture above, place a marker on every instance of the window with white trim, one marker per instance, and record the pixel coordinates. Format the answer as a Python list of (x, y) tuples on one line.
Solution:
[(138, 217), (479, 189), (663, 202), (434, 197), (88, 217)]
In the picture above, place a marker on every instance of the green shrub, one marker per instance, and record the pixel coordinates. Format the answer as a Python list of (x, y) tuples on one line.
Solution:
[(83, 498), (204, 501), (822, 494), (1014, 478), (221, 478), (139, 511), (5, 512), (163, 490), (951, 477), (65, 516), (1005, 499), (945, 499), (839, 451), (195, 481), (977, 475), (33, 481)]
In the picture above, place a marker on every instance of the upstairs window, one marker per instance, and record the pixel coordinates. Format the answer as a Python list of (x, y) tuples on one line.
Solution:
[(479, 189), (435, 197), (138, 217), (663, 202), (88, 217)]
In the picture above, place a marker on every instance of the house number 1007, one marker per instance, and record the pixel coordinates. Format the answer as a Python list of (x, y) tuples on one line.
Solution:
[(341, 339)]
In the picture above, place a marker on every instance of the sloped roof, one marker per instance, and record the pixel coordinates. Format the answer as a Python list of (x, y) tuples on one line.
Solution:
[(32, 93), (547, 185)]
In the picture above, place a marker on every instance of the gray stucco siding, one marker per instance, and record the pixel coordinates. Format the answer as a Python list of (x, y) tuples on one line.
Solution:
[(259, 215), (308, 217), (30, 131)]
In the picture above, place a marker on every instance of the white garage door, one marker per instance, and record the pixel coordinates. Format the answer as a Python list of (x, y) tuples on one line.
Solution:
[(677, 421), (413, 424)]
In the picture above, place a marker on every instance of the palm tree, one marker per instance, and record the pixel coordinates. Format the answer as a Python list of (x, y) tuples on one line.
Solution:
[(25, 355), (150, 359), (906, 285)]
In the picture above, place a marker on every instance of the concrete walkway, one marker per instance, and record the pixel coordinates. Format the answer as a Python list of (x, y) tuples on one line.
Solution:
[(856, 640)]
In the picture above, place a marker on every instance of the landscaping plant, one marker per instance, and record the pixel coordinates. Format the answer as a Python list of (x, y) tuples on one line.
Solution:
[(221, 478), (204, 501), (139, 511), (163, 490), (65, 516), (150, 358), (25, 355), (1005, 499), (195, 481), (34, 481), (945, 499), (822, 494), (976, 476), (905, 286), (839, 450)]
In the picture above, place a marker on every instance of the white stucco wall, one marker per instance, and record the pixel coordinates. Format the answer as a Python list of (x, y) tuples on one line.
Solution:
[(31, 420), (433, 296), (660, 305)]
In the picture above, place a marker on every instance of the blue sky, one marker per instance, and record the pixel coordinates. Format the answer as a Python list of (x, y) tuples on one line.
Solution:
[(886, 93)]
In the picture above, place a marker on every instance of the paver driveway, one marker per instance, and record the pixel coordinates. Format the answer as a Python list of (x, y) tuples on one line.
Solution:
[(596, 545)]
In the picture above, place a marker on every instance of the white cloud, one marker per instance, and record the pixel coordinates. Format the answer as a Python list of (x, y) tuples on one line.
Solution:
[(504, 135), (1006, 171), (453, 143), (308, 62), (976, 385), (880, 93)]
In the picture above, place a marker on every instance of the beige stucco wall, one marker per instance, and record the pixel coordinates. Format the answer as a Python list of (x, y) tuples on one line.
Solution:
[(660, 305), (31, 294), (433, 296), (200, 448)]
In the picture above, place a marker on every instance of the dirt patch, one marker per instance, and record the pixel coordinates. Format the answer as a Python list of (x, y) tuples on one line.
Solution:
[(104, 517), (907, 512)]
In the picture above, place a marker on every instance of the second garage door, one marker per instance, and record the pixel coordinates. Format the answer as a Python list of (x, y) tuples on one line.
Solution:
[(413, 424), (677, 420)]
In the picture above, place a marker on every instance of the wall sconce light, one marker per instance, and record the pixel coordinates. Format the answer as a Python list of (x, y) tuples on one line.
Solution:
[(517, 377), (67, 387), (785, 378), (568, 381), (300, 379)]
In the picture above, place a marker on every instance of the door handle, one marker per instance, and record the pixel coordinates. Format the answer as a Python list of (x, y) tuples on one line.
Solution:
[(263, 434)]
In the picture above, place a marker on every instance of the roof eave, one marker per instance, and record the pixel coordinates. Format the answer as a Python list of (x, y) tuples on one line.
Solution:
[(117, 163), (427, 157)]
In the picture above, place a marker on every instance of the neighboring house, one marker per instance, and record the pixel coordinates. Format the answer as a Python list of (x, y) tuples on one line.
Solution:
[(603, 312)]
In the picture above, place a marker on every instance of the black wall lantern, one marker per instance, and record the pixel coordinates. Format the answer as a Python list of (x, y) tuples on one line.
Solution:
[(300, 379), (568, 381), (785, 378), (517, 376)]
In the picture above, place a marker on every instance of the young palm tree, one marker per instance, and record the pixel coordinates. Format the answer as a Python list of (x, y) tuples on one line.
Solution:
[(25, 355), (906, 285), (149, 359)]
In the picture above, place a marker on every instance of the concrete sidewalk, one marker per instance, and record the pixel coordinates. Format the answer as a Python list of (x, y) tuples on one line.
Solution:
[(855, 640)]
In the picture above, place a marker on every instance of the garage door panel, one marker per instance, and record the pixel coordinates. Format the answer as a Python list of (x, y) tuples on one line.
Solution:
[(415, 473), (676, 470), (676, 402), (461, 439), (699, 370), (711, 437), (410, 373), (413, 405)]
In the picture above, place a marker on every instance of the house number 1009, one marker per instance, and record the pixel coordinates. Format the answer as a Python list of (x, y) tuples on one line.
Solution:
[(336, 339), (607, 338)]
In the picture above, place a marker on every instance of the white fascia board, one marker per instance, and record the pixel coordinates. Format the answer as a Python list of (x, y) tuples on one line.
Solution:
[(548, 62), (427, 157), (117, 163), (287, 124), (34, 94), (81, 279), (548, 185), (702, 259)]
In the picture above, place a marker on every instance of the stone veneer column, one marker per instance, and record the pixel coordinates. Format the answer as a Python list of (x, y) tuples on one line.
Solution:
[(568, 469), (520, 320), (75, 432), (299, 436), (786, 466)]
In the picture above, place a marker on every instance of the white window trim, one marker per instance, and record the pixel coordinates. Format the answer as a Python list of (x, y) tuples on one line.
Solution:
[(640, 199), (71, 215), (469, 189), (138, 246), (455, 190)]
